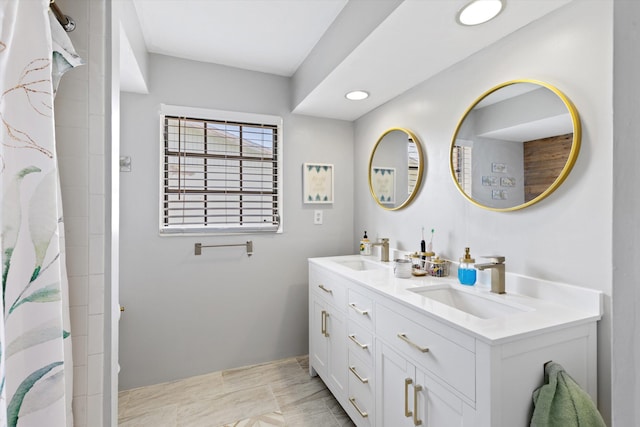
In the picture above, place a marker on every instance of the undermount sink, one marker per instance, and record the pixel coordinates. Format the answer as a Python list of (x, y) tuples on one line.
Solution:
[(470, 303), (362, 265)]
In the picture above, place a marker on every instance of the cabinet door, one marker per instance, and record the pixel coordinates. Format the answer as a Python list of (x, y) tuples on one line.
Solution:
[(395, 387), (407, 396), (437, 406), (328, 345), (337, 352), (318, 342)]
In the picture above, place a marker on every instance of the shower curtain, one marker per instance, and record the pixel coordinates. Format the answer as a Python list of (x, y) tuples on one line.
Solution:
[(35, 343)]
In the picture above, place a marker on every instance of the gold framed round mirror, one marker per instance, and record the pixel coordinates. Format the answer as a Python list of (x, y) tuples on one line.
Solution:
[(395, 169), (515, 145)]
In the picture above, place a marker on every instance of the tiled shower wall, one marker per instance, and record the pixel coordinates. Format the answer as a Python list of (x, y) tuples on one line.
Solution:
[(81, 144)]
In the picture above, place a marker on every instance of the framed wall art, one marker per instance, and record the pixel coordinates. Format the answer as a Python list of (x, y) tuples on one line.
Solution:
[(317, 183)]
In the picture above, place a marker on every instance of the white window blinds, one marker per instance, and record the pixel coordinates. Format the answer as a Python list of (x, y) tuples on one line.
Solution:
[(461, 160), (219, 176)]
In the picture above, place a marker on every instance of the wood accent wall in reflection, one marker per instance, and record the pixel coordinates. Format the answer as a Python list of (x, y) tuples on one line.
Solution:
[(543, 162)]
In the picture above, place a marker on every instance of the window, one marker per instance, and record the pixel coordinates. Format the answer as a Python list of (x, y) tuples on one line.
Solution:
[(220, 172), (461, 159)]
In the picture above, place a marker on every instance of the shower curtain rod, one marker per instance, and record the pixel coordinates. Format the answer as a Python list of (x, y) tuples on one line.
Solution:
[(66, 21)]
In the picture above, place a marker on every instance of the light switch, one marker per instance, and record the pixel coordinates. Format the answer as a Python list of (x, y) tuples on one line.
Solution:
[(317, 217)]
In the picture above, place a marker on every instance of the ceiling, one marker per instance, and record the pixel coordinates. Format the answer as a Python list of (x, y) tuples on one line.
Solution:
[(327, 47)]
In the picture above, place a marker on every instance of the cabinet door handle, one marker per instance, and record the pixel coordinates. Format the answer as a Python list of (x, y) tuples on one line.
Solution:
[(404, 338), (416, 389), (358, 343), (362, 312), (323, 325), (329, 291), (362, 380), (355, 405), (407, 412)]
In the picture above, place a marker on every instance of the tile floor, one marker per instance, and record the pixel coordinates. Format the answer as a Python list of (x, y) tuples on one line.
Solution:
[(279, 393)]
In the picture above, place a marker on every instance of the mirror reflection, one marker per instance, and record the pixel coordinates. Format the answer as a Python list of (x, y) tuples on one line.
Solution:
[(515, 145), (395, 168)]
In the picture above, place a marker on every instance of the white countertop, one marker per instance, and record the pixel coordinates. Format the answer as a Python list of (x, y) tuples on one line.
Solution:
[(547, 305)]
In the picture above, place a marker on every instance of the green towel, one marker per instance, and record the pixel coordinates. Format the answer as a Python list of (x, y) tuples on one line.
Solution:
[(562, 403)]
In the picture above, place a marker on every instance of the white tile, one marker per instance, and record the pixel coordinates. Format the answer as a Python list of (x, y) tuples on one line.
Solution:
[(94, 410), (76, 231), (72, 141), (96, 214), (72, 88), (96, 254), (97, 17), (75, 200), (80, 381), (79, 320), (96, 177), (96, 134), (72, 113), (79, 350), (96, 294), (74, 170), (96, 82), (77, 261), (79, 405), (78, 290), (95, 342), (95, 374)]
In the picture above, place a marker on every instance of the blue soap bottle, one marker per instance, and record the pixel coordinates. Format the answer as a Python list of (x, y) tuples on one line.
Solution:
[(466, 270)]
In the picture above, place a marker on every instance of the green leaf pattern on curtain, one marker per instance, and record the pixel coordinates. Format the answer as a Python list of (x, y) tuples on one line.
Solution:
[(35, 363)]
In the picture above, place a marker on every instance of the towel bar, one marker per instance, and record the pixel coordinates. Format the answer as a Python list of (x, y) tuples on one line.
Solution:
[(248, 245)]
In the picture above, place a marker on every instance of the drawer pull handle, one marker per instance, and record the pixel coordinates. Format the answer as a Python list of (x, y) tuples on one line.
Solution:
[(362, 380), (407, 412), (355, 340), (416, 421), (404, 338), (362, 312), (355, 405), (323, 326), (329, 291)]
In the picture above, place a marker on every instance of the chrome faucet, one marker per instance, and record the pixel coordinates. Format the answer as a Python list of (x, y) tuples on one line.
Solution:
[(384, 249), (496, 265)]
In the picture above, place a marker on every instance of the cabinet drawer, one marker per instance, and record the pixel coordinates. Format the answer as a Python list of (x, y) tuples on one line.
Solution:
[(361, 391), (328, 286), (360, 308), (360, 342), (444, 358)]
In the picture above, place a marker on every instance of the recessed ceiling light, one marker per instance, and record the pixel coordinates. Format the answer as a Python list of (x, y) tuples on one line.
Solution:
[(357, 95), (479, 12)]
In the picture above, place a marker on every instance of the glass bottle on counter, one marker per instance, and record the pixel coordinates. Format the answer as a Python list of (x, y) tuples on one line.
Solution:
[(466, 270)]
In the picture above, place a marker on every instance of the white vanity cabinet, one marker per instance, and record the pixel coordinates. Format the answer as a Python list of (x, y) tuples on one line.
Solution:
[(394, 359), (327, 330)]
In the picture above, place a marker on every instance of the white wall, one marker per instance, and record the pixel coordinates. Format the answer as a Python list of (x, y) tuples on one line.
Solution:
[(566, 237), (188, 315), (626, 211)]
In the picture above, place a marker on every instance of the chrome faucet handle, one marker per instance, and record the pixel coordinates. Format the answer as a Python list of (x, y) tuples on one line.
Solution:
[(496, 259)]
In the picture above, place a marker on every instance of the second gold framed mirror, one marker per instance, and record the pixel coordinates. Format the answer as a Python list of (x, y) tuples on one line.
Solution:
[(515, 145)]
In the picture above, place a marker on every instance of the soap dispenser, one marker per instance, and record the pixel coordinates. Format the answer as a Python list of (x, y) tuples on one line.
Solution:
[(365, 245), (466, 270)]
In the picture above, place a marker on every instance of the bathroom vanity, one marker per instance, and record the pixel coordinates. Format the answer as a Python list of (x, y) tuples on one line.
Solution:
[(429, 351)]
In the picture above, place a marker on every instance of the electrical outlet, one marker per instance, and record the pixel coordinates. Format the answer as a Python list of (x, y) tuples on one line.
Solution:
[(317, 217)]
